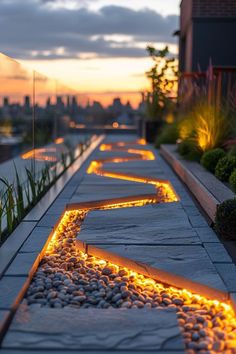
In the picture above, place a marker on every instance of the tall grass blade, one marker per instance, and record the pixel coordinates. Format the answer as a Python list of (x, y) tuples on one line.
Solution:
[(10, 204), (19, 197), (32, 185)]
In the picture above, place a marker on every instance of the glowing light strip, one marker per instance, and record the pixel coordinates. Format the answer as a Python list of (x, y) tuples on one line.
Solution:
[(164, 188), (40, 154), (59, 141), (227, 323)]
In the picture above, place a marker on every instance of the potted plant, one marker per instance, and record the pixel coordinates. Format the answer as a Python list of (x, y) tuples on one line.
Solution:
[(163, 76)]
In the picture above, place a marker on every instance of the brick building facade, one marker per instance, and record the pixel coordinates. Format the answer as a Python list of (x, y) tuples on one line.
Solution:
[(207, 33)]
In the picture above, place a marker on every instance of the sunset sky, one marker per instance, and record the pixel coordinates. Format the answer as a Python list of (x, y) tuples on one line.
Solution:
[(94, 46)]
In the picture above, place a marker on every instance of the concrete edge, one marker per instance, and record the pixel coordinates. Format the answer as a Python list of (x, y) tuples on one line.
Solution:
[(207, 201)]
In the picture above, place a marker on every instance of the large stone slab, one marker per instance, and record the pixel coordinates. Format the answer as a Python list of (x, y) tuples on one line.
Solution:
[(90, 329), (93, 192), (135, 164), (182, 266), (108, 154), (92, 180), (113, 138), (144, 171), (139, 225)]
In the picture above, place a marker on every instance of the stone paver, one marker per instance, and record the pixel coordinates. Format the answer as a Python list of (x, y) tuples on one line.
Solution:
[(140, 225), (49, 220), (170, 238), (227, 272), (217, 253), (24, 264), (90, 329), (37, 240), (184, 266), (206, 234), (169, 242), (13, 244), (11, 288), (87, 192)]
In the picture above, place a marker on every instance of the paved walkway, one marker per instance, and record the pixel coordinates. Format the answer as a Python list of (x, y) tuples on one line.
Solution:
[(168, 240)]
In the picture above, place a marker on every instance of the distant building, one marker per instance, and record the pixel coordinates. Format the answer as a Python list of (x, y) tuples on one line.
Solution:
[(207, 34), (27, 102), (5, 101), (116, 107), (60, 104)]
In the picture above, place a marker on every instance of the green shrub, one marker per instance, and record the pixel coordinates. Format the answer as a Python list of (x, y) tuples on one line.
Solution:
[(225, 220), (169, 135), (189, 150), (225, 167), (232, 151), (210, 159), (232, 180)]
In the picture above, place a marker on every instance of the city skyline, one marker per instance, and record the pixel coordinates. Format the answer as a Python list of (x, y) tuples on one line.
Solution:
[(96, 46)]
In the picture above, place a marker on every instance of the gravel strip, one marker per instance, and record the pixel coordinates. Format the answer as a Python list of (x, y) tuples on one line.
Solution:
[(68, 277)]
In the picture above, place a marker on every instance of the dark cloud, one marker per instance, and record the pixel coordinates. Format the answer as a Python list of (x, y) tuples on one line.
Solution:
[(33, 26)]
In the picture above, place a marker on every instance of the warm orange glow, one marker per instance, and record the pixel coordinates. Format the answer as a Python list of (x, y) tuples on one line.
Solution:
[(134, 203), (221, 328), (72, 124), (42, 154), (170, 118), (59, 141), (93, 167), (185, 128), (142, 141), (217, 319), (165, 191), (115, 125), (144, 154)]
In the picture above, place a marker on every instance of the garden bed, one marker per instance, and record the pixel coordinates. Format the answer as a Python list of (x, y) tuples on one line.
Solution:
[(206, 188), (16, 239)]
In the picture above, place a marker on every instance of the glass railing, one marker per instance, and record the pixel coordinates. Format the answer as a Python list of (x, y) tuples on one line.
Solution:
[(36, 144)]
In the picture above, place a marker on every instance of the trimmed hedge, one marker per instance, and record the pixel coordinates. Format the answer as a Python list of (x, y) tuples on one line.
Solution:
[(210, 159), (225, 167), (232, 180), (225, 221), (232, 151)]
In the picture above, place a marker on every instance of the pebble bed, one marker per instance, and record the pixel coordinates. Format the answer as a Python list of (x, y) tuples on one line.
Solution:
[(68, 277)]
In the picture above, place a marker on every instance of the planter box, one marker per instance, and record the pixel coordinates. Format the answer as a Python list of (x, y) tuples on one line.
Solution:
[(206, 188)]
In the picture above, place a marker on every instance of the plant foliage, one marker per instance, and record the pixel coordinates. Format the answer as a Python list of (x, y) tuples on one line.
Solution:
[(225, 167), (210, 158), (225, 220), (232, 180)]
